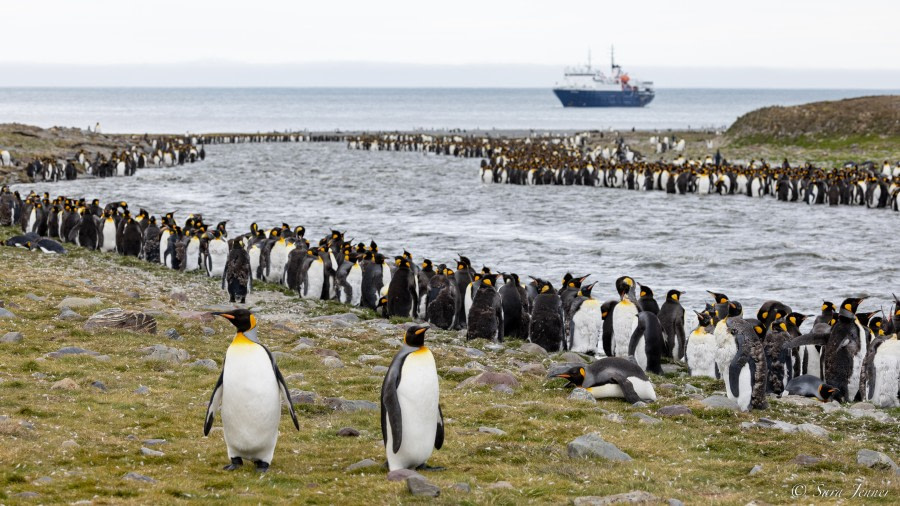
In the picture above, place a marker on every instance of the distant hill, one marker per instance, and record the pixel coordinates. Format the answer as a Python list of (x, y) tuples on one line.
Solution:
[(877, 116)]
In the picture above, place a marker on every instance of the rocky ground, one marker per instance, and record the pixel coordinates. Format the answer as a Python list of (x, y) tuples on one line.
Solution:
[(101, 415)]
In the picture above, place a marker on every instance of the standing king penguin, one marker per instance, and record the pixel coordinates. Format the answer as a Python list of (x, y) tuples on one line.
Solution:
[(412, 425), (248, 393)]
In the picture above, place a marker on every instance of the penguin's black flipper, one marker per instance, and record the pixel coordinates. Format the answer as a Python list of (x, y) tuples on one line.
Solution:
[(284, 389), (818, 338), (635, 337), (215, 400), (439, 436), (627, 388), (734, 375), (390, 405)]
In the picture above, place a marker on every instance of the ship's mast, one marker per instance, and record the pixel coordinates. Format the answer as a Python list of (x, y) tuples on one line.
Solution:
[(589, 58)]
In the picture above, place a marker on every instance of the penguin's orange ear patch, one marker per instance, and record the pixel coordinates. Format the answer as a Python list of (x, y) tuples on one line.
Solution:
[(581, 371), (420, 332), (848, 307), (765, 315), (758, 329)]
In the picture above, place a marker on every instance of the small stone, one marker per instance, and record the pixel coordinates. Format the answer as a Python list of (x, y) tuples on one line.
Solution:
[(477, 366), (593, 445), (614, 417), (649, 420), (27, 495), (474, 352), (797, 400), (533, 349), (533, 369), (70, 302), (67, 314), (830, 407), (674, 410), (332, 362), (806, 460), (633, 497), (492, 430), (35, 298), (813, 429), (65, 384), (164, 353), (582, 394), (6, 313), (573, 358), (691, 389), (670, 368), (138, 477), (877, 415), (675, 502), (207, 331), (174, 335), (179, 296), (874, 460), (147, 452), (142, 390), (422, 487), (403, 474), (338, 404), (303, 397), (503, 389), (639, 404), (297, 376), (490, 378), (458, 370), (39, 376), (70, 350), (206, 363), (757, 468), (867, 406), (668, 386), (306, 341), (495, 347), (132, 294), (281, 356), (462, 487), (379, 369), (500, 485), (99, 385), (720, 402), (154, 442), (362, 464), (69, 445), (348, 432), (322, 352), (346, 317), (12, 338), (364, 359)]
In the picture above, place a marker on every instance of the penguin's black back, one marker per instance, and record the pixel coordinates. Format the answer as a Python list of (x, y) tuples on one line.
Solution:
[(547, 322)]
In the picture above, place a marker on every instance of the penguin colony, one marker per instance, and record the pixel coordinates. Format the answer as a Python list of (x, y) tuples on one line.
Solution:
[(852, 354), (565, 161)]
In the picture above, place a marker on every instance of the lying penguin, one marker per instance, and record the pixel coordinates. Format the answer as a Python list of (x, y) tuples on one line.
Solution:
[(610, 377), (808, 385)]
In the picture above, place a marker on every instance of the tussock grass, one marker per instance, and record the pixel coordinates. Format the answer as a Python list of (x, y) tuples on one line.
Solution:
[(703, 458)]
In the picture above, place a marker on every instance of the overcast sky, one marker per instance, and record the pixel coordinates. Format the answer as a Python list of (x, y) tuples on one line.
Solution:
[(781, 35)]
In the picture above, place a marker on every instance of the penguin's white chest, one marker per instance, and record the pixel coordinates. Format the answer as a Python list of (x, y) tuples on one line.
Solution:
[(418, 395), (251, 403), (726, 349), (277, 260), (109, 235), (587, 326), (192, 255), (623, 318), (218, 253), (315, 278), (887, 375), (701, 353), (254, 261), (354, 279), (644, 390)]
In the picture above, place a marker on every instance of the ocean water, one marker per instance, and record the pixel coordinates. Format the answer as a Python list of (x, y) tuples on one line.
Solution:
[(180, 110), (751, 249)]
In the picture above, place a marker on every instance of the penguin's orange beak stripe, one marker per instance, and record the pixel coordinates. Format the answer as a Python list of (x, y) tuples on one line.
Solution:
[(225, 315)]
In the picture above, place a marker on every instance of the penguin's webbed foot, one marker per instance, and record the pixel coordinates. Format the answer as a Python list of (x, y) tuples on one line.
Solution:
[(236, 462), (261, 466), (426, 467)]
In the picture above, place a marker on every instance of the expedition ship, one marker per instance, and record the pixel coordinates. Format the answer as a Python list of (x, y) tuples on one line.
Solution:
[(586, 87)]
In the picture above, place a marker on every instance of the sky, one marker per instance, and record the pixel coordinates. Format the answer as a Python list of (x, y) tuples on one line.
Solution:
[(203, 42)]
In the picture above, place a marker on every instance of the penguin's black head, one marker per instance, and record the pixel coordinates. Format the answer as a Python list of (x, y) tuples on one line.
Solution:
[(407, 255), (828, 308), (427, 265), (381, 302), (373, 246), (760, 330), (864, 318), (830, 393), (415, 336), (720, 298), (543, 286), (242, 319), (876, 325), (299, 231), (674, 295), (489, 279), (607, 307), (565, 280), (849, 307), (586, 290), (794, 320), (646, 292), (624, 285), (704, 318), (574, 374)]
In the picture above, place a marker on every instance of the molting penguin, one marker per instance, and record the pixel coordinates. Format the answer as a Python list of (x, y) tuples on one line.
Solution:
[(217, 252), (623, 315), (646, 344), (515, 307), (485, 318), (132, 238), (700, 351), (463, 277), (585, 322), (88, 235), (237, 277), (150, 242), (373, 281), (412, 424), (671, 317), (881, 384), (442, 299), (747, 375), (548, 324), (248, 394), (610, 377), (402, 294)]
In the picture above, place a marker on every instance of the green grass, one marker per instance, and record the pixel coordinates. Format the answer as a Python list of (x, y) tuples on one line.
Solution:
[(701, 459)]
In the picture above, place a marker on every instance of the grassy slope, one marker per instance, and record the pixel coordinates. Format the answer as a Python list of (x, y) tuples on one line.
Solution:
[(701, 459)]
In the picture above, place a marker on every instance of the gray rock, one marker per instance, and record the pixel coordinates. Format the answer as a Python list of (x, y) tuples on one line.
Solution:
[(344, 317), (339, 404), (668, 386), (582, 394), (477, 366), (181, 297), (142, 390), (865, 406), (99, 386), (492, 430), (675, 502), (67, 314), (174, 335), (593, 445), (12, 338), (303, 397), (691, 389), (281, 356), (768, 423), (403, 474), (297, 376), (874, 460), (674, 410), (633, 497), (348, 432), (474, 352), (26, 495), (70, 302), (147, 452), (573, 358), (206, 363), (362, 464), (495, 347), (806, 460), (533, 349), (379, 369), (830, 407), (116, 318), (533, 369), (35, 298), (757, 468), (462, 487), (138, 477), (797, 400), (69, 445), (70, 350), (813, 429), (332, 362), (720, 402), (671, 368), (208, 331), (649, 420), (490, 378), (458, 370), (164, 353), (133, 294), (365, 359), (422, 487), (322, 352), (65, 384), (614, 417), (877, 415), (639, 404), (6, 313), (39, 376), (503, 389), (500, 485), (154, 442)]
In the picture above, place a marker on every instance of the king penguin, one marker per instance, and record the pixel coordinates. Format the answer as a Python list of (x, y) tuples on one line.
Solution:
[(248, 393), (485, 317), (610, 377), (646, 344), (623, 316), (237, 277), (671, 317), (700, 350), (412, 425), (548, 324), (748, 375), (585, 322)]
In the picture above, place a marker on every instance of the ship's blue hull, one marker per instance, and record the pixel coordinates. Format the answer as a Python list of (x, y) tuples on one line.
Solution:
[(592, 98)]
